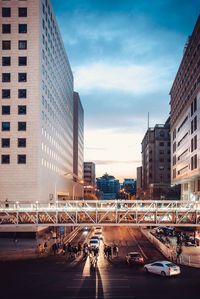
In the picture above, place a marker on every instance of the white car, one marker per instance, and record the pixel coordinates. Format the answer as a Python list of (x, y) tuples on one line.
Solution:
[(93, 243), (163, 268)]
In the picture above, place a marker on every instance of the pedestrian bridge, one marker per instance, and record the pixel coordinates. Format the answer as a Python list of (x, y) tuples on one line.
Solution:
[(101, 212)]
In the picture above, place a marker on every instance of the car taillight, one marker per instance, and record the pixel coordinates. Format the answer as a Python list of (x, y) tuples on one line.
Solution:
[(169, 269)]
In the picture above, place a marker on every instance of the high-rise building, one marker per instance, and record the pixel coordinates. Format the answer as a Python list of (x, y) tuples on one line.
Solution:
[(139, 181), (156, 162), (37, 105), (109, 186), (129, 185), (78, 137), (89, 177), (185, 120)]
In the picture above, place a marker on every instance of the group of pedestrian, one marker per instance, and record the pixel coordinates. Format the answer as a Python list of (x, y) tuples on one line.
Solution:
[(72, 251), (108, 251), (93, 254)]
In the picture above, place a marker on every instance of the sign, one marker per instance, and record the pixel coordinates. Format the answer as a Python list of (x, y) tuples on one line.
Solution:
[(62, 229)]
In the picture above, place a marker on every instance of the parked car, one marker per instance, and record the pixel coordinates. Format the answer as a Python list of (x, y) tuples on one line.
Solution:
[(134, 258), (95, 238), (163, 268)]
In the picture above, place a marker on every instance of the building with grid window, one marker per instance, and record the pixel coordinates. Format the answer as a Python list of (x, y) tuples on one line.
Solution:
[(36, 106), (185, 120)]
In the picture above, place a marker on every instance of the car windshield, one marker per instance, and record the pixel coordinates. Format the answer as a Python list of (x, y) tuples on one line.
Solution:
[(95, 237), (93, 242), (170, 265), (135, 255)]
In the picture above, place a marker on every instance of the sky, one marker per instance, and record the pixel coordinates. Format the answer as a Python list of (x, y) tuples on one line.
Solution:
[(124, 55)]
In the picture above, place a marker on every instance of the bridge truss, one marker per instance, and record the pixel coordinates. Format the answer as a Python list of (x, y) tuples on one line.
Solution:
[(102, 212)]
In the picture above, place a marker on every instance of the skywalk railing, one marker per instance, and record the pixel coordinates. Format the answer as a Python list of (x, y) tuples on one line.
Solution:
[(101, 212)]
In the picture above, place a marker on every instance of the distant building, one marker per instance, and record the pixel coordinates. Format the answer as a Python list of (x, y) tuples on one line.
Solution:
[(156, 162), (129, 185), (185, 120), (109, 186), (78, 138), (89, 177), (139, 181)]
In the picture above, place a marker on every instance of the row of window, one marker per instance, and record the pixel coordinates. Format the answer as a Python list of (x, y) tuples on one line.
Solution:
[(6, 28), (5, 126), (193, 106), (5, 159), (6, 12), (22, 61), (6, 94), (6, 77), (6, 44), (6, 110), (194, 124), (194, 143), (5, 142)]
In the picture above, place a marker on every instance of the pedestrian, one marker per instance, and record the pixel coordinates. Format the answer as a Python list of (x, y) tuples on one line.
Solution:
[(64, 248), (114, 250), (75, 250), (85, 250), (54, 248), (109, 252), (117, 250), (79, 248), (45, 246), (105, 250)]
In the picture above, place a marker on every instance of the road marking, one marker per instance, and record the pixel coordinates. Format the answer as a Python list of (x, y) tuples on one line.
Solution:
[(109, 279), (134, 237), (94, 287), (99, 297)]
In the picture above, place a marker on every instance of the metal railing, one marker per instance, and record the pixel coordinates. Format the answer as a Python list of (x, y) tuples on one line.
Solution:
[(101, 212)]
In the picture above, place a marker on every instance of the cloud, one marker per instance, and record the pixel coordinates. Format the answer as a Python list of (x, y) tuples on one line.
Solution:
[(136, 79)]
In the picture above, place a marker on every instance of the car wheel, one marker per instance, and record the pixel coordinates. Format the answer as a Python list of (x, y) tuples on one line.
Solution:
[(146, 270), (163, 274)]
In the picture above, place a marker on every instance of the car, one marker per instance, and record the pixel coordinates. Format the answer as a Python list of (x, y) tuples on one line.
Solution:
[(93, 243), (94, 238), (134, 258), (163, 268)]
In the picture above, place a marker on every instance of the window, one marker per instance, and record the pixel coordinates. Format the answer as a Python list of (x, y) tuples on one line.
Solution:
[(195, 142), (22, 61), (22, 12), (174, 173), (5, 110), (174, 147), (21, 109), (198, 185), (192, 109), (22, 77), (21, 126), (22, 45), (5, 93), (195, 123), (174, 134), (6, 44), (162, 133), (21, 142), (174, 160), (161, 152), (5, 77), (6, 12), (194, 162), (195, 104), (22, 28), (21, 93), (161, 159), (5, 142), (6, 28), (5, 159), (6, 61), (161, 143), (161, 167), (21, 159), (192, 145), (5, 126)]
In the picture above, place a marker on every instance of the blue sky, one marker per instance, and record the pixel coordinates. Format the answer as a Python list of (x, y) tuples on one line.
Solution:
[(124, 55)]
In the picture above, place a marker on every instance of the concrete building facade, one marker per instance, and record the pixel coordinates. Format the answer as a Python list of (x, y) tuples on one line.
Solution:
[(37, 105), (139, 182), (156, 162), (78, 137), (89, 177), (185, 120)]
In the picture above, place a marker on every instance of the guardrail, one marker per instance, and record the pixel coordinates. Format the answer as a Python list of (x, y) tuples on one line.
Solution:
[(104, 212)]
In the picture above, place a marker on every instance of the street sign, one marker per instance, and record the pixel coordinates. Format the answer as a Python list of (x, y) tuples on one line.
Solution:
[(62, 229)]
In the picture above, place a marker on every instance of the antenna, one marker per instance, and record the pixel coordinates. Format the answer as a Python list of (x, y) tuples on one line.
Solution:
[(148, 121)]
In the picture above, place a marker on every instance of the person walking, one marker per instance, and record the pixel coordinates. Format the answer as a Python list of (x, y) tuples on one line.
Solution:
[(64, 248)]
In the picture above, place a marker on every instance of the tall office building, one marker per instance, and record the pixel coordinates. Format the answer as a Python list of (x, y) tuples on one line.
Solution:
[(185, 120), (37, 105), (78, 137), (129, 185), (156, 162)]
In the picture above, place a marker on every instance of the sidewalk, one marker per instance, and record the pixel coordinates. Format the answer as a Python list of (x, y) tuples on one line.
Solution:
[(190, 255)]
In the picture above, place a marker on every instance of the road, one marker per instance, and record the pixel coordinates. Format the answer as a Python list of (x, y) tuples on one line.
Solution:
[(60, 278)]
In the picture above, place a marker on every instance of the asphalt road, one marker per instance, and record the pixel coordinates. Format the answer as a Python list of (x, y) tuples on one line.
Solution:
[(60, 278)]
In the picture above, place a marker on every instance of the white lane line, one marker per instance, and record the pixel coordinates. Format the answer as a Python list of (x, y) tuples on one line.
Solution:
[(105, 279), (94, 287), (105, 294), (142, 251)]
